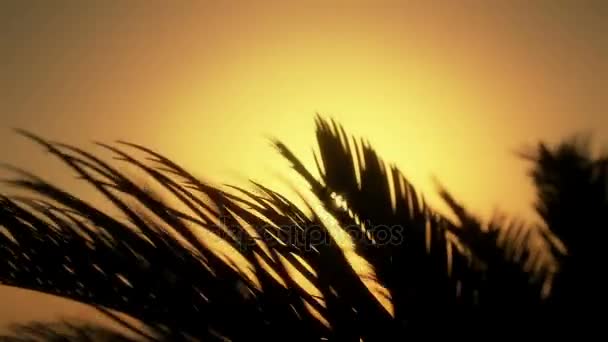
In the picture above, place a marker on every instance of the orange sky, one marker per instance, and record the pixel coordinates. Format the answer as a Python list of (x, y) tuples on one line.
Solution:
[(446, 88)]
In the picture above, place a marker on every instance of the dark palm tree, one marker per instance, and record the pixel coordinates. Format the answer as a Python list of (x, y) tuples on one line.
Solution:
[(160, 263), (572, 200)]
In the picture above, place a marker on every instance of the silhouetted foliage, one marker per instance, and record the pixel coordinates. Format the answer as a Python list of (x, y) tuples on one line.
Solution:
[(161, 264), (572, 200)]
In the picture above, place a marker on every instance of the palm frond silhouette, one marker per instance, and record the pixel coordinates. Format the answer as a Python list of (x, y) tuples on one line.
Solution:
[(281, 272)]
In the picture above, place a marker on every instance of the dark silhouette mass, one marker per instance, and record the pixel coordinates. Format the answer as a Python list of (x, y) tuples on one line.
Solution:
[(445, 276)]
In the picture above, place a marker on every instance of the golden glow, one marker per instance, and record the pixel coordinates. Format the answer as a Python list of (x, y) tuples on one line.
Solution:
[(448, 89)]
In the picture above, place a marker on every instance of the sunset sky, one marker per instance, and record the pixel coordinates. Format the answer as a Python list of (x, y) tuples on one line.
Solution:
[(441, 88)]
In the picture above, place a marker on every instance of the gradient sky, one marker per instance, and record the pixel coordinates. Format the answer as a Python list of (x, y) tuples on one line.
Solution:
[(448, 89)]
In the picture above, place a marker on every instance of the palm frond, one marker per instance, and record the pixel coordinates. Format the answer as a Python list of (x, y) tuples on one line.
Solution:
[(162, 265), (572, 200), (191, 260), (152, 266), (427, 262)]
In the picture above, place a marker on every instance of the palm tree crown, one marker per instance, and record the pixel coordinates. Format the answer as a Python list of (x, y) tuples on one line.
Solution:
[(281, 271)]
